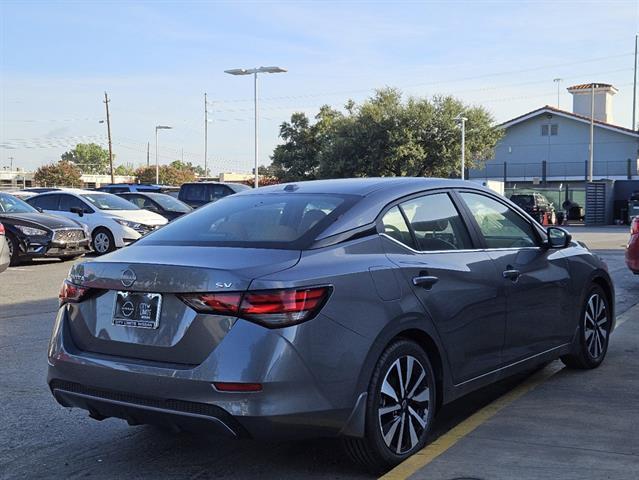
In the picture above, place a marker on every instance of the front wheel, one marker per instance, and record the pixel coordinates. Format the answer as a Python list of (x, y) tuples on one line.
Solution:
[(14, 258), (594, 332), (399, 409)]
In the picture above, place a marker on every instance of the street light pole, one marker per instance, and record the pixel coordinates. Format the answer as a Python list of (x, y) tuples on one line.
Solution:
[(591, 156), (206, 136), (157, 163), (462, 120), (254, 72), (558, 82)]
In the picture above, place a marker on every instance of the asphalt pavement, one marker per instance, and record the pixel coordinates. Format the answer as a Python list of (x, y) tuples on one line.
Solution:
[(574, 425)]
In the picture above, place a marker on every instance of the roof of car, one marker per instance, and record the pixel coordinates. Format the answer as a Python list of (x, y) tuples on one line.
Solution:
[(360, 186), (77, 191)]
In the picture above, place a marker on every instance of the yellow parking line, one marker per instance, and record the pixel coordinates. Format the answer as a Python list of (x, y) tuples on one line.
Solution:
[(450, 438)]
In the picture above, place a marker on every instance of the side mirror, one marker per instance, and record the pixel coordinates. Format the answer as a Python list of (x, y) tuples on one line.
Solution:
[(77, 210), (558, 237)]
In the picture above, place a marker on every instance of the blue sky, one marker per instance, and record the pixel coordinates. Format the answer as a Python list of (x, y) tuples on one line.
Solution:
[(156, 59)]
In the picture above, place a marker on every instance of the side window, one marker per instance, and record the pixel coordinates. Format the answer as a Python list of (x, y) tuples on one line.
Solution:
[(148, 204), (67, 202), (395, 227), (436, 223), (500, 226), (45, 202)]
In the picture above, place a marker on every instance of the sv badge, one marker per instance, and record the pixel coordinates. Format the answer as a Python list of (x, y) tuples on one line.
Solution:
[(224, 284)]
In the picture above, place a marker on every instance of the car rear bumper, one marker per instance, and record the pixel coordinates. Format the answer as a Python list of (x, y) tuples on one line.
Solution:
[(182, 397), (632, 254)]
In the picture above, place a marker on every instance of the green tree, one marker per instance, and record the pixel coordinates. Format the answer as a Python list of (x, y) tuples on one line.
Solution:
[(61, 174), (384, 136), (169, 175), (89, 157), (127, 169), (196, 169)]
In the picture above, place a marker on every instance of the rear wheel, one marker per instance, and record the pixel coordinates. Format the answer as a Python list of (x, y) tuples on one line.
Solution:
[(399, 410), (594, 332), (103, 241), (13, 250)]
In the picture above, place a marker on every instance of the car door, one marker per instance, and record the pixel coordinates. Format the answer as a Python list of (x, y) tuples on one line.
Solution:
[(69, 202), (534, 277), (456, 283)]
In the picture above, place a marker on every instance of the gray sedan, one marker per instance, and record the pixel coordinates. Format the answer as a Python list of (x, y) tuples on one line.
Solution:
[(349, 308)]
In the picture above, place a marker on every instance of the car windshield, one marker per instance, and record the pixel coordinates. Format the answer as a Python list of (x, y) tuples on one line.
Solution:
[(11, 204), (286, 221), (167, 202), (107, 201)]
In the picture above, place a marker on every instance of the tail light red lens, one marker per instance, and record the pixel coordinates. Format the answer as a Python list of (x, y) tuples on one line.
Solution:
[(634, 226), (270, 308), (72, 293), (1, 229), (238, 387)]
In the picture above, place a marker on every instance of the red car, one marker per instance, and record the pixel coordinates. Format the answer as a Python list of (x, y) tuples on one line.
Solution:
[(632, 250)]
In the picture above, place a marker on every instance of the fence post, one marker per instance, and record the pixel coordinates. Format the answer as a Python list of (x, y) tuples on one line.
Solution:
[(629, 169), (586, 171), (543, 171), (505, 173)]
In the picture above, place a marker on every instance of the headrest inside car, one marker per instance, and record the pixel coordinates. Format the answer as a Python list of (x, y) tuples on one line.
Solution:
[(431, 225)]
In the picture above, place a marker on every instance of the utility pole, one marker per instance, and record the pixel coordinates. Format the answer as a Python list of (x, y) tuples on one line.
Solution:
[(462, 121), (634, 90), (148, 145), (558, 82), (592, 132), (11, 164), (108, 119), (206, 136)]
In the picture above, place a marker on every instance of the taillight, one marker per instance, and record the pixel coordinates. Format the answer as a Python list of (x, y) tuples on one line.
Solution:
[(72, 293), (237, 387), (634, 226), (270, 308), (1, 229)]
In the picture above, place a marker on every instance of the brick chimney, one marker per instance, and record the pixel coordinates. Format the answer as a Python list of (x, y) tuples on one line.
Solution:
[(581, 100)]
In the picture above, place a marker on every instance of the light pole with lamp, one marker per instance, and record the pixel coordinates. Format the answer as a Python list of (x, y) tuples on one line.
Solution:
[(462, 121), (157, 163), (254, 72)]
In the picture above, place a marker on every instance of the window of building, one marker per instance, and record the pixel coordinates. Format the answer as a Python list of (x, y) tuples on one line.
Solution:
[(553, 129)]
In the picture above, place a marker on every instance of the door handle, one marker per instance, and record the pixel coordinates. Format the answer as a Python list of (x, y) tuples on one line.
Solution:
[(511, 274), (425, 281)]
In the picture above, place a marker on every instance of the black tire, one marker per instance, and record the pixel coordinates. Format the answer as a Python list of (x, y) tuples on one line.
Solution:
[(14, 259), (594, 335), (102, 241), (373, 452)]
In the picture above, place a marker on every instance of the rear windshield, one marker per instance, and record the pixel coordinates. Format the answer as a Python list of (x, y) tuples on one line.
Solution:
[(287, 221), (204, 192)]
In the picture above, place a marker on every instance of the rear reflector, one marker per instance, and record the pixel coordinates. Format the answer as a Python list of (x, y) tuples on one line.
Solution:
[(72, 293), (270, 308), (237, 387), (634, 227)]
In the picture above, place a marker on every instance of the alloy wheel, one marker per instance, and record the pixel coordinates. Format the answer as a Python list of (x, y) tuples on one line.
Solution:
[(596, 325), (10, 246), (403, 405), (102, 243)]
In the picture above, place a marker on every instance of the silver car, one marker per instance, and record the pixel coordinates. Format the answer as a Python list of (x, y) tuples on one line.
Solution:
[(348, 308)]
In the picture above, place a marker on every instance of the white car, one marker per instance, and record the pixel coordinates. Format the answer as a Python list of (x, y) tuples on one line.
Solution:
[(112, 221)]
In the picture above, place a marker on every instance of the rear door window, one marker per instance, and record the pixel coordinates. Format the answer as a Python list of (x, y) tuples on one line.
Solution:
[(45, 202), (436, 223)]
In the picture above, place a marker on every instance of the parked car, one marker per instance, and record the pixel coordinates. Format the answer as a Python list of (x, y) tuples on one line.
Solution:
[(5, 257), (632, 249), (32, 234), (112, 221), (116, 188), (31, 192), (535, 205), (324, 308), (160, 203), (197, 194)]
